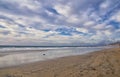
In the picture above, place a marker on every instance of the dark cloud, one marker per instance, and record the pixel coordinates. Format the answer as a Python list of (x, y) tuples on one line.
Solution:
[(5, 32)]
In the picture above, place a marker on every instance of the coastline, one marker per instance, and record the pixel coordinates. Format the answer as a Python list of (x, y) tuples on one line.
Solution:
[(99, 64), (16, 58)]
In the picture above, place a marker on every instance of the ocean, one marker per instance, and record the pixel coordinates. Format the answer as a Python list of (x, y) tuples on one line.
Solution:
[(12, 56)]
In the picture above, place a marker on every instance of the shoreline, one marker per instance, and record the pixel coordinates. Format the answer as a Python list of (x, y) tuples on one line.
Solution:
[(54, 59), (69, 66), (17, 58)]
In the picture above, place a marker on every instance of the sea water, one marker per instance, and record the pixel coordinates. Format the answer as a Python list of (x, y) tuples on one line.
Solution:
[(12, 56)]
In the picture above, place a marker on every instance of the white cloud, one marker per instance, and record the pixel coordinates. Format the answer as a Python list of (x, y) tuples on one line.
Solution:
[(105, 4), (64, 10), (116, 17), (82, 30), (36, 21), (89, 23), (73, 19), (99, 26)]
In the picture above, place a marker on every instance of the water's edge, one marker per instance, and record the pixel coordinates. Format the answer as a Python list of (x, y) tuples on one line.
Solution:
[(13, 57)]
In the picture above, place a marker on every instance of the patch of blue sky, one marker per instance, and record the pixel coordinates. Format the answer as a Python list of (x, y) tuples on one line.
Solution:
[(115, 24), (52, 10), (1, 26), (46, 30)]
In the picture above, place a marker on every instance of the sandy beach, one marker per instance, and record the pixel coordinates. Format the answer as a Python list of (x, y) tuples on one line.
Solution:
[(105, 63), (59, 38)]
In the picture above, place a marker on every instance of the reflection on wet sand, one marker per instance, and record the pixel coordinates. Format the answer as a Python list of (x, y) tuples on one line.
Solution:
[(21, 57)]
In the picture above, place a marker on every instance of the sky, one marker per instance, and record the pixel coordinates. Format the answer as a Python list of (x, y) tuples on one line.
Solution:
[(59, 22)]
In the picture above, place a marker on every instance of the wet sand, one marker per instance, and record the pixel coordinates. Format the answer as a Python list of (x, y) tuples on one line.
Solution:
[(2, 53), (105, 63)]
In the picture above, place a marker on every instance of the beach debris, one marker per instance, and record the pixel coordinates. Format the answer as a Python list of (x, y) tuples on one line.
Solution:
[(44, 54)]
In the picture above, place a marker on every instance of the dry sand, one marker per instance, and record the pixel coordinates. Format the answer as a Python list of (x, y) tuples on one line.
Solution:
[(104, 63)]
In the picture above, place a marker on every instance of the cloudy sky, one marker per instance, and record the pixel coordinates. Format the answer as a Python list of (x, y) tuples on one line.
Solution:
[(59, 22)]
